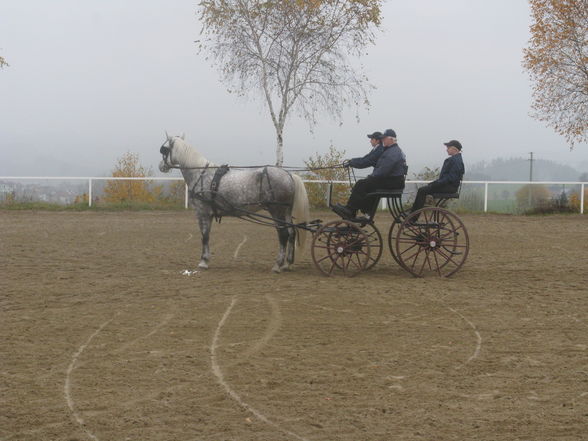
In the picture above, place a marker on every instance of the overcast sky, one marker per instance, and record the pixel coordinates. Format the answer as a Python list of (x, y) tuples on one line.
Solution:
[(89, 81)]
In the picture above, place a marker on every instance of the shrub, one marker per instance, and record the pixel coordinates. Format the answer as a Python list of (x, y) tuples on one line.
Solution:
[(326, 167), (575, 200), (532, 195), (557, 204), (122, 191)]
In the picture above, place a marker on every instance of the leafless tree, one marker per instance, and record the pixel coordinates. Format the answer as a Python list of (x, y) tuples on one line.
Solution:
[(295, 53)]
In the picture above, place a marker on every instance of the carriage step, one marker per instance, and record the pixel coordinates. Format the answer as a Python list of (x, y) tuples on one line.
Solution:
[(423, 224), (360, 220), (310, 225)]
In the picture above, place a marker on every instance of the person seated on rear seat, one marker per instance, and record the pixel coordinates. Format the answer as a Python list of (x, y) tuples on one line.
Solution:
[(449, 178)]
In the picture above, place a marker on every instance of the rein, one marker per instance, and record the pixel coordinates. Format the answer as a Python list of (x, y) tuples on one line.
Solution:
[(166, 151), (285, 167)]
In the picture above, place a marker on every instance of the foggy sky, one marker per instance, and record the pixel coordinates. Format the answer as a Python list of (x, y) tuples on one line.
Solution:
[(89, 81)]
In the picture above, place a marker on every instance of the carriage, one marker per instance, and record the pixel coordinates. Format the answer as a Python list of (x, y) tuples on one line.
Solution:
[(432, 240)]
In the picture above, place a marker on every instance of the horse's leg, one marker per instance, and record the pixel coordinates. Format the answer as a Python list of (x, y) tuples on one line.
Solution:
[(205, 223), (283, 236), (291, 244)]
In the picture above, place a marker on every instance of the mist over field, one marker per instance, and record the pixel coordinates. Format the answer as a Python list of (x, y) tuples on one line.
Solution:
[(106, 78)]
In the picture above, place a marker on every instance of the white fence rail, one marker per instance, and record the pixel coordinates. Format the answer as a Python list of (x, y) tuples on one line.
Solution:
[(91, 180)]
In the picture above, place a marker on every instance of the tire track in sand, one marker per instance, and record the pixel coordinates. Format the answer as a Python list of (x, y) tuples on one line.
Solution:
[(272, 327), (67, 386), (216, 370)]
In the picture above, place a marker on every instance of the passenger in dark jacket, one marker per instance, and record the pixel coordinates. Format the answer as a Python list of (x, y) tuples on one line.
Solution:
[(375, 140), (449, 179), (389, 164)]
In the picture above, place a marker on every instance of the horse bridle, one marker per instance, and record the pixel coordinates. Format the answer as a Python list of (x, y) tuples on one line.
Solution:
[(166, 152)]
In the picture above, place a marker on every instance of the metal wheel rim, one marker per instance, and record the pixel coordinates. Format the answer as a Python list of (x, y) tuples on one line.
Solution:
[(349, 255), (375, 244), (392, 240), (438, 244)]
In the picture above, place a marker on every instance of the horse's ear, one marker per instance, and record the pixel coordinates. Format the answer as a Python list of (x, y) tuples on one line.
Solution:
[(167, 135), (183, 136)]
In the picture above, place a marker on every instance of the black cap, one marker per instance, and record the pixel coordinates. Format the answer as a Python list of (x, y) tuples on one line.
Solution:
[(389, 132), (375, 135), (453, 143)]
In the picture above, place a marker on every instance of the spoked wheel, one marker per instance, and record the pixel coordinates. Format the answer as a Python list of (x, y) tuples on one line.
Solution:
[(436, 243), (340, 247), (394, 228), (375, 244)]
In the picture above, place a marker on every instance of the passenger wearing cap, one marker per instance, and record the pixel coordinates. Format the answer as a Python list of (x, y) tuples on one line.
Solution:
[(375, 139), (389, 164), (449, 178), (372, 157)]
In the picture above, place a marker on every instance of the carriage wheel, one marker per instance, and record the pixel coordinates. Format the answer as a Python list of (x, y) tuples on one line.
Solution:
[(340, 247), (437, 243), (392, 239), (375, 243)]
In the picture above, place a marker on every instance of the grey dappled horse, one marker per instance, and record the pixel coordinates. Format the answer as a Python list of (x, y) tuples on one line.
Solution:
[(273, 189)]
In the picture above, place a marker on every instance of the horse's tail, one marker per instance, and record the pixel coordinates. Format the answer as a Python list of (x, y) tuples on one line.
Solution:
[(300, 209)]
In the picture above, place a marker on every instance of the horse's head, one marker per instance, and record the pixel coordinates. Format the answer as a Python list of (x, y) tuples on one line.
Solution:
[(167, 151)]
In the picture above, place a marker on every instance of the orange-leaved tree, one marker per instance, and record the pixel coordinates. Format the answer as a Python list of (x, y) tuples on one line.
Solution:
[(557, 62), (531, 195), (128, 166), (326, 167)]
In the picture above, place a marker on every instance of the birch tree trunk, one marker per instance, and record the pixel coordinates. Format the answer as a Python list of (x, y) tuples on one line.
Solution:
[(279, 149), (294, 53)]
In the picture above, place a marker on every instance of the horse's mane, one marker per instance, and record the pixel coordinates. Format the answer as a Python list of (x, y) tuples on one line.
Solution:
[(187, 156)]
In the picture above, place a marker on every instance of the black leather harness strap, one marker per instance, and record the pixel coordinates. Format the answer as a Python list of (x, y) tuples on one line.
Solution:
[(214, 184), (193, 192), (269, 184)]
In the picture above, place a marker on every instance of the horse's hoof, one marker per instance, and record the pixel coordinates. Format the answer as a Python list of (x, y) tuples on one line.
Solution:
[(285, 268), (203, 265), (276, 269)]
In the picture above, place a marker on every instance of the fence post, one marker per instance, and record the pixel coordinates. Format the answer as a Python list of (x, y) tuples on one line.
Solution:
[(90, 192), (582, 199), (485, 197)]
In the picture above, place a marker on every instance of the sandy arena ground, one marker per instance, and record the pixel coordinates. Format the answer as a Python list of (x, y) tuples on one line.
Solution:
[(103, 337)]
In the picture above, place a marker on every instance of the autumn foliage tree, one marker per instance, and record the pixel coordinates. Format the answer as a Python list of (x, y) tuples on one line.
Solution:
[(3, 62), (293, 52), (120, 191), (326, 167), (557, 62), (532, 195)]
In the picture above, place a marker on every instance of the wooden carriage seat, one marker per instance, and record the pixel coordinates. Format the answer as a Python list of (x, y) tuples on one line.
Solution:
[(394, 198), (441, 198)]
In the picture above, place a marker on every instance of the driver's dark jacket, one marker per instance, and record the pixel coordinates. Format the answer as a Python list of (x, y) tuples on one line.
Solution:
[(387, 161)]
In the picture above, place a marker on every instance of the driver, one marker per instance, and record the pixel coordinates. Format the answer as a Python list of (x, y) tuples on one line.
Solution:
[(389, 164)]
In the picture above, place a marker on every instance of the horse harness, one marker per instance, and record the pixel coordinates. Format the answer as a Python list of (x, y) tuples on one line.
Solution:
[(215, 184), (213, 189)]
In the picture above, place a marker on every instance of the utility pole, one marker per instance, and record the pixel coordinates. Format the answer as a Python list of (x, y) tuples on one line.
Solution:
[(530, 178)]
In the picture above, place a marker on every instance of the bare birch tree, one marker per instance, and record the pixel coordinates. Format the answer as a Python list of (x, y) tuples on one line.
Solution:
[(295, 53), (557, 61)]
